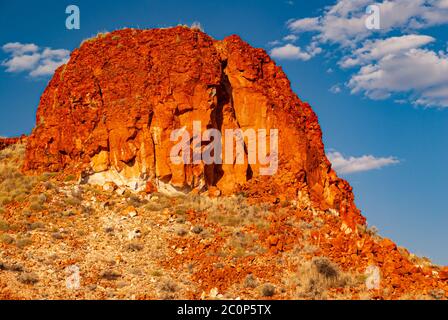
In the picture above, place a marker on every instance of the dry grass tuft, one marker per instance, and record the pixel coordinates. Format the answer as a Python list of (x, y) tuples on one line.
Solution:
[(319, 275)]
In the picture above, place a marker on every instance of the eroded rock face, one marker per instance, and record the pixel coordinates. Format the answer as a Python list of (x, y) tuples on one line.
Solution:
[(109, 113)]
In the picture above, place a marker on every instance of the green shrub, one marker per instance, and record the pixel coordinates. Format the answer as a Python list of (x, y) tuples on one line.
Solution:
[(4, 226), (6, 238)]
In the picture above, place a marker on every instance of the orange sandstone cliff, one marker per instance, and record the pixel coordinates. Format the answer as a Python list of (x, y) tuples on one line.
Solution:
[(108, 114)]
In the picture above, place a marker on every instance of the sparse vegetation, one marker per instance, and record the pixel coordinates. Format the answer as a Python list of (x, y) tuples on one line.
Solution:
[(197, 229), (110, 275), (70, 178), (4, 226), (14, 186), (6, 238), (250, 281), (267, 290), (168, 285), (159, 246), (134, 246), (23, 242), (319, 275), (156, 273), (28, 278), (73, 202)]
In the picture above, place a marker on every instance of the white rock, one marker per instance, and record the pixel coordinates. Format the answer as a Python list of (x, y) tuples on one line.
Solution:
[(120, 191), (134, 234), (373, 277), (213, 293)]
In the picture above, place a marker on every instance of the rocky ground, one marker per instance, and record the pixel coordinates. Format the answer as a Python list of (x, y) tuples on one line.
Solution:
[(151, 246)]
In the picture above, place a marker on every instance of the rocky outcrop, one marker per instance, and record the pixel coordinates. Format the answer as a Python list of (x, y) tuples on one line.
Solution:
[(109, 112), (6, 142)]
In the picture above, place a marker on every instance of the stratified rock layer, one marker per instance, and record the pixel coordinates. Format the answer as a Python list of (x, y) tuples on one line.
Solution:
[(109, 112)]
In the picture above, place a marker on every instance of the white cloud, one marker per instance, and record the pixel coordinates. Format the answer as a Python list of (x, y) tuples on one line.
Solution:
[(290, 52), (422, 73), (344, 22), (305, 24), (32, 59), (393, 60), (274, 43), (346, 165), (20, 48), (335, 89), (22, 62), (378, 49), (55, 54), (290, 38)]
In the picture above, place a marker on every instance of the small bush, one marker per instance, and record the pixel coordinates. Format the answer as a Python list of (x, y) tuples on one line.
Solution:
[(268, 290), (6, 239), (134, 246), (49, 185), (4, 226), (320, 274), (197, 229), (36, 206), (15, 267), (250, 281), (168, 286), (72, 201), (23, 242), (153, 207), (437, 294), (28, 278), (110, 275), (70, 178), (136, 201), (57, 235), (156, 273), (326, 268)]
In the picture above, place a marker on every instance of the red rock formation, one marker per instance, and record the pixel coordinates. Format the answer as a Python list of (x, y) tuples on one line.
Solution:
[(110, 110), (6, 142)]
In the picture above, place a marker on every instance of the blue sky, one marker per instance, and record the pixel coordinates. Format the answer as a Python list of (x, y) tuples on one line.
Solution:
[(381, 95)]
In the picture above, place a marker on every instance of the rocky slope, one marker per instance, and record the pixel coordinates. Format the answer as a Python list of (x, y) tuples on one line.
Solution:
[(62, 240), (108, 115), (95, 209)]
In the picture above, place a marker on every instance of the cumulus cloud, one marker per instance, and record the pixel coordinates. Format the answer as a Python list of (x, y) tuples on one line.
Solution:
[(420, 72), (335, 89), (395, 60), (290, 52), (33, 59), (19, 48), (347, 165), (344, 22), (305, 24), (290, 38), (380, 48)]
